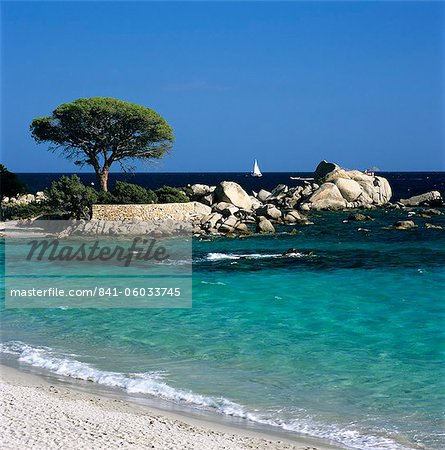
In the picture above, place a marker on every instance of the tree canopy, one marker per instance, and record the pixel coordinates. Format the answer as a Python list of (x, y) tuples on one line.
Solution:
[(99, 131)]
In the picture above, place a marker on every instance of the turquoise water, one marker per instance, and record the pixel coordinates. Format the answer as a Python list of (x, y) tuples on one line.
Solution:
[(345, 344)]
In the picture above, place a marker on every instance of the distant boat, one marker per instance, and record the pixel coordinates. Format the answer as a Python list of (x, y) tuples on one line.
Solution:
[(256, 170)]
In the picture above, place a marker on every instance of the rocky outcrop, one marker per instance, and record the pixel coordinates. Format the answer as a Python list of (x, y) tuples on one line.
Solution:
[(332, 188), (231, 192), (433, 198), (341, 188)]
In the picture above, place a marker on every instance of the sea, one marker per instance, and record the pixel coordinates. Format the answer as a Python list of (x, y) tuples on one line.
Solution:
[(345, 344)]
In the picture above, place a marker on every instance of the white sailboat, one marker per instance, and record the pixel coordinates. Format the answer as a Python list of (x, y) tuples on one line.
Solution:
[(256, 170)]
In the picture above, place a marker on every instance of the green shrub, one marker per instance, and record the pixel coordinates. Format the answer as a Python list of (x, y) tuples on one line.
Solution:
[(69, 196), (168, 194), (10, 184), (106, 198), (14, 211), (127, 193)]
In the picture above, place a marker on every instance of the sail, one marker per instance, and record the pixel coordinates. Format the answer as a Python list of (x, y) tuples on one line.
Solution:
[(256, 170)]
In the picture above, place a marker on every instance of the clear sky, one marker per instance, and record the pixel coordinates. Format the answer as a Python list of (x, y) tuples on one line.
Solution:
[(292, 83)]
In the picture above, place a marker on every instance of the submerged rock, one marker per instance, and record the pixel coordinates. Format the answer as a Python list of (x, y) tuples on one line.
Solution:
[(404, 225), (435, 227), (359, 217), (433, 198)]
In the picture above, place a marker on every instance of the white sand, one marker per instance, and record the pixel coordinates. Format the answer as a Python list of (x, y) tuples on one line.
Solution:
[(37, 415)]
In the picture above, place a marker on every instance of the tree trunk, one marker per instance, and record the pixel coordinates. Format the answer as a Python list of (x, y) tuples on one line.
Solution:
[(103, 179)]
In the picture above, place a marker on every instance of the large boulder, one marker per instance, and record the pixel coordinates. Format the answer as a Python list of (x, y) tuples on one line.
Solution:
[(433, 198), (231, 192), (264, 225), (357, 188), (327, 196), (349, 189)]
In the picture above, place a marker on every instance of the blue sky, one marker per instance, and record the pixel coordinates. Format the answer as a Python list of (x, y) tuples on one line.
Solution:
[(359, 83)]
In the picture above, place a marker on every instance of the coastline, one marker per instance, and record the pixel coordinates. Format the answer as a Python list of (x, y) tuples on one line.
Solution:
[(42, 413)]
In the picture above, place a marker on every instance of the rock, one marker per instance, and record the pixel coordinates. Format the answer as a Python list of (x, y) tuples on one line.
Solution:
[(201, 190), (357, 188), (305, 222), (211, 220), (433, 212), (323, 169), (207, 199), (269, 211), (229, 225), (242, 227), (359, 217), (328, 196), (349, 189), (404, 225), (231, 192), (292, 217), (263, 195), (40, 197), (255, 203), (435, 227), (264, 226), (226, 209), (307, 190), (279, 191), (423, 214), (433, 198), (200, 209)]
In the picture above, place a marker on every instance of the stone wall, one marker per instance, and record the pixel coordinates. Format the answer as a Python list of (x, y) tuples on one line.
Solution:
[(174, 211)]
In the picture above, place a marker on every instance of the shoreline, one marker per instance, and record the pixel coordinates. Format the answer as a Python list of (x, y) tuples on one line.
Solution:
[(41, 412)]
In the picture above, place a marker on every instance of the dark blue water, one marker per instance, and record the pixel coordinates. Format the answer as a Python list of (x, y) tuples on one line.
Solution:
[(404, 184)]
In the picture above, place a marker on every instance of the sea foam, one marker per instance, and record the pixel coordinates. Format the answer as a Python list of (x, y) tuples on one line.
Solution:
[(150, 383)]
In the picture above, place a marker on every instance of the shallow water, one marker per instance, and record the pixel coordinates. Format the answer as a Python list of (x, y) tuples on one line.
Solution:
[(345, 344)]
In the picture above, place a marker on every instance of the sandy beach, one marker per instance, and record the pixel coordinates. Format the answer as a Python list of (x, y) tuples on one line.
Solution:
[(40, 415)]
